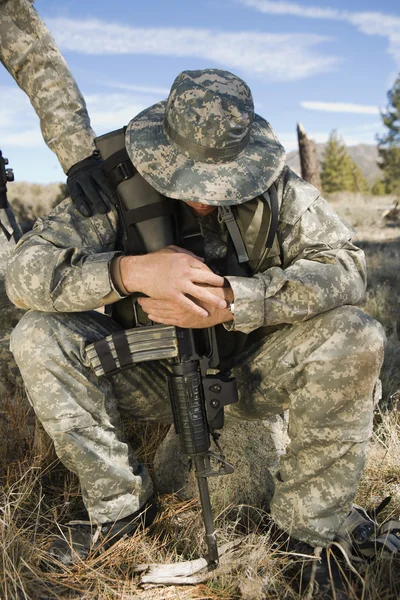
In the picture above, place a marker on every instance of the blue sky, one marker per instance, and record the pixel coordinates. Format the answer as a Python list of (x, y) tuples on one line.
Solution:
[(324, 64)]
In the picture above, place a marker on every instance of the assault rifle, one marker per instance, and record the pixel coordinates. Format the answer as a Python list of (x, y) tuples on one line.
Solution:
[(197, 398), (8, 224), (6, 175)]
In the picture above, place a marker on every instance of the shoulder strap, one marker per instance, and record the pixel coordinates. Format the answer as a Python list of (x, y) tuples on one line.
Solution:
[(271, 198), (226, 215), (118, 167)]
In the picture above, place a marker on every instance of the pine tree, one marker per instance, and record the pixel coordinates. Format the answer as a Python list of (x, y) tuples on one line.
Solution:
[(379, 187), (359, 183), (339, 171), (389, 144)]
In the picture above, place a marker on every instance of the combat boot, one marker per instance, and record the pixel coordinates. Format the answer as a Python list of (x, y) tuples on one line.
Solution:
[(363, 538), (320, 573), (80, 538), (314, 572)]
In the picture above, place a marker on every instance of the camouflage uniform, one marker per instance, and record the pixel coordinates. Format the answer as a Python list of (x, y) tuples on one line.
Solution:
[(317, 356), (30, 55), (323, 369)]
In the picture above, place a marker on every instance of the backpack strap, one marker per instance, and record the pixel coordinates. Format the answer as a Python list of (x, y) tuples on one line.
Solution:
[(118, 167), (226, 215), (271, 197)]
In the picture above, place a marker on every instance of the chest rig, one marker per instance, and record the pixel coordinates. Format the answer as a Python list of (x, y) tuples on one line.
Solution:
[(151, 221)]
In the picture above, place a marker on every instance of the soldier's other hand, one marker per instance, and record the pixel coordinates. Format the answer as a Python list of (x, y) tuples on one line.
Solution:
[(172, 274), (88, 187), (169, 312)]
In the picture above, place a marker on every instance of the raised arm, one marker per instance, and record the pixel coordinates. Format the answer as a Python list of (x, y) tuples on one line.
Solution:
[(30, 54)]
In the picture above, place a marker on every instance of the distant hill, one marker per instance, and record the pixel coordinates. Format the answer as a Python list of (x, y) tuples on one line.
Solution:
[(364, 155), (32, 200), (34, 193), (40, 198)]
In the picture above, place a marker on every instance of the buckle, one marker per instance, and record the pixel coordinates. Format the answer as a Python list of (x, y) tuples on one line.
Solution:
[(123, 171), (225, 214)]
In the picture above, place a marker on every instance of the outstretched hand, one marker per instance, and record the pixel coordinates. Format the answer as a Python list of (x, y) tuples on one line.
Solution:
[(176, 279)]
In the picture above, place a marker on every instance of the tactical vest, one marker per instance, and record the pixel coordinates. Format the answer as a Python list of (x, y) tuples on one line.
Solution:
[(250, 237)]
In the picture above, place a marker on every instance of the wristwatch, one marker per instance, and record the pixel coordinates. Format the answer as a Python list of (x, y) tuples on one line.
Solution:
[(231, 307)]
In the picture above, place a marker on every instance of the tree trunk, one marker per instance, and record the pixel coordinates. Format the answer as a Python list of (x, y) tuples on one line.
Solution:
[(308, 158)]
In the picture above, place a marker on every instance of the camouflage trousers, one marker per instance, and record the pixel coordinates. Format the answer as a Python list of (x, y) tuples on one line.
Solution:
[(324, 371)]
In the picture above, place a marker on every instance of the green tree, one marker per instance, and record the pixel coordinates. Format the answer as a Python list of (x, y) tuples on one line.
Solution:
[(379, 187), (339, 171), (389, 143), (359, 182)]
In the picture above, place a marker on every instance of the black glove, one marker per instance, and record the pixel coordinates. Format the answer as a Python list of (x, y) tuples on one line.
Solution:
[(88, 187)]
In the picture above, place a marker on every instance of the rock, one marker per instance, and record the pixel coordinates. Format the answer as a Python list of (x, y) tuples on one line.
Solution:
[(253, 447)]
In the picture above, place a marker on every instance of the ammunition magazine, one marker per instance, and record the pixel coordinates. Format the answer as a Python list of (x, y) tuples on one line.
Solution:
[(121, 350)]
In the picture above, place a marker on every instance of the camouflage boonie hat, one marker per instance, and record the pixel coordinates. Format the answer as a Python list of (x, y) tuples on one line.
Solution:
[(205, 143)]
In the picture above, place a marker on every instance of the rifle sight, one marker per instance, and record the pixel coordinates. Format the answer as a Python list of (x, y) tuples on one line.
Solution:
[(6, 176)]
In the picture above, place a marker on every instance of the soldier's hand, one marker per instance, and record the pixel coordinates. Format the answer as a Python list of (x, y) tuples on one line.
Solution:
[(88, 187), (171, 274), (169, 312)]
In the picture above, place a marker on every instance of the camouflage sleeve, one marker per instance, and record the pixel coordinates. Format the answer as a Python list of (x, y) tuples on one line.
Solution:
[(30, 54), (320, 268), (63, 264)]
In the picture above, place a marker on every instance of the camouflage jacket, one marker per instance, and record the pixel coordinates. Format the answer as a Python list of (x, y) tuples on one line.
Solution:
[(63, 264), (30, 54)]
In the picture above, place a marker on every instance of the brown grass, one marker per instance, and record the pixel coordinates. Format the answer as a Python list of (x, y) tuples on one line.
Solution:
[(34, 500), (32, 200)]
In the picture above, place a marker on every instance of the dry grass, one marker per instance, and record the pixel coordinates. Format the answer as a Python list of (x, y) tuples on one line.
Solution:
[(34, 500), (381, 244), (32, 200)]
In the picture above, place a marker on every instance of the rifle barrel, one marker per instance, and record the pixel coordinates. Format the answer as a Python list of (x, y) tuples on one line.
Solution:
[(206, 509)]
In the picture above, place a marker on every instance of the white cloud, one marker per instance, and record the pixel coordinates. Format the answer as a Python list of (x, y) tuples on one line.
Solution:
[(280, 57), (364, 133), (375, 23), (351, 137), (15, 108), (341, 107), (140, 89), (124, 108), (291, 8), (30, 138), (19, 125), (370, 23)]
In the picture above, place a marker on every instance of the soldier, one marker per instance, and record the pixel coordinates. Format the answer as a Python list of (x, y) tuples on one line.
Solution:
[(30, 55), (308, 349)]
